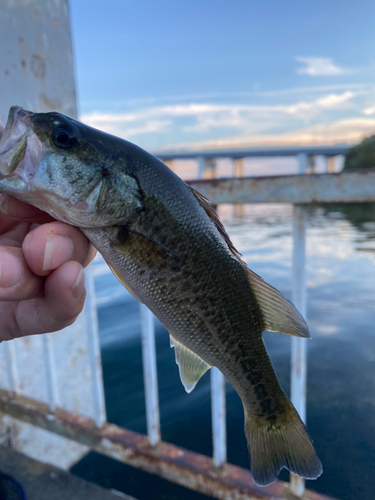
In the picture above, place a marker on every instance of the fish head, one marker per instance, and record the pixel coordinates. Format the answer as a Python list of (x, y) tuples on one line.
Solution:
[(67, 169)]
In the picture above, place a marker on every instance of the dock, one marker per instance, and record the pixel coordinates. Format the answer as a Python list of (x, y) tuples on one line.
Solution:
[(42, 481)]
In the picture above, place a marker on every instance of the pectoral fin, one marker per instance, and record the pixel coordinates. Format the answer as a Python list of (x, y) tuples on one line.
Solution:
[(279, 315), (150, 240), (190, 365)]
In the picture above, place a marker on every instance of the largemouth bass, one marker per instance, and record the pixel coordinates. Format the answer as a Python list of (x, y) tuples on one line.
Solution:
[(167, 246)]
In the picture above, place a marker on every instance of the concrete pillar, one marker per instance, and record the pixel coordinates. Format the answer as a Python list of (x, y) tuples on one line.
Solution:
[(64, 368), (169, 164), (36, 63), (238, 170), (332, 164), (311, 164), (238, 167), (325, 163), (210, 168)]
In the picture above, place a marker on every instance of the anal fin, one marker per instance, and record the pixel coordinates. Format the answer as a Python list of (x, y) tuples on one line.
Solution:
[(190, 365)]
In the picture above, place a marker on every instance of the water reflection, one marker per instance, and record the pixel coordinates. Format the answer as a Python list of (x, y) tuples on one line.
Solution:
[(341, 372)]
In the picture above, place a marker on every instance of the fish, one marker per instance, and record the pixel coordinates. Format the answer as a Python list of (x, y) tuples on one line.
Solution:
[(167, 246)]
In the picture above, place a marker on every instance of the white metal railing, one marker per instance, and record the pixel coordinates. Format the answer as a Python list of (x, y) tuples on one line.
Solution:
[(299, 346), (150, 375), (359, 186), (97, 388), (298, 350)]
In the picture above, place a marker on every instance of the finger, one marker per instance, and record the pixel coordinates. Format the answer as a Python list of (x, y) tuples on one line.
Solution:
[(48, 246), (12, 232), (17, 282), (63, 300), (19, 210)]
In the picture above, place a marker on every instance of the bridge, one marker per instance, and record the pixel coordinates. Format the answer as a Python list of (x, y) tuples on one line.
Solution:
[(327, 151), (207, 158)]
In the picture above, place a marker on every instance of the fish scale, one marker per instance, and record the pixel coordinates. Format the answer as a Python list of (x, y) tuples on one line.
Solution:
[(165, 243)]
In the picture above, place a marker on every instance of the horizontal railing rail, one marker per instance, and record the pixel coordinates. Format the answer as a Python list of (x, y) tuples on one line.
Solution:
[(171, 462), (344, 187)]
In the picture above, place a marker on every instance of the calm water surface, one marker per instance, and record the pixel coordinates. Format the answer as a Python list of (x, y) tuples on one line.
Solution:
[(340, 272)]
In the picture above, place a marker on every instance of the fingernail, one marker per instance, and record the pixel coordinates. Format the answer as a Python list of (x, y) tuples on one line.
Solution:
[(11, 270), (59, 249), (79, 286)]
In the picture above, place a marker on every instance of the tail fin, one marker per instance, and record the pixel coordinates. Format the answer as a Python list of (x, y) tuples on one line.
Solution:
[(283, 442)]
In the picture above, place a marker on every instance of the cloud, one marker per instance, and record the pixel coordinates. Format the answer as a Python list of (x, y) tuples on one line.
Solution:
[(330, 101), (124, 125), (369, 111), (350, 130), (203, 117), (328, 330), (209, 96), (319, 66), (260, 117)]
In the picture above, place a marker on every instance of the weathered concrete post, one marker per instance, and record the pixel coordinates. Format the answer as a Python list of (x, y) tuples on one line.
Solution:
[(36, 61), (62, 369)]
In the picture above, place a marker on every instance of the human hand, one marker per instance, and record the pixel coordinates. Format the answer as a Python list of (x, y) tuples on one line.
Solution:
[(42, 282)]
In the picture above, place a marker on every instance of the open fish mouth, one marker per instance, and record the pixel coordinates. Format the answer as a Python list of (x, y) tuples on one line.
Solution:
[(15, 129), (20, 150), (14, 140)]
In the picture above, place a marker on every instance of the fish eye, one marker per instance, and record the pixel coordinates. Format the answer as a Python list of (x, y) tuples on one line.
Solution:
[(64, 136)]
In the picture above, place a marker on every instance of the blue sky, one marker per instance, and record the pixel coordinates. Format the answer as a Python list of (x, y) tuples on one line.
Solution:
[(223, 74)]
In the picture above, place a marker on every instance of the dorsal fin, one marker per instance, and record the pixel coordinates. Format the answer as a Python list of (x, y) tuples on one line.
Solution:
[(204, 203)]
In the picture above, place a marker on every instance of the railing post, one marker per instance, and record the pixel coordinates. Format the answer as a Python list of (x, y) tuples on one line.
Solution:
[(299, 346), (49, 362), (97, 387), (11, 362), (219, 431), (150, 375)]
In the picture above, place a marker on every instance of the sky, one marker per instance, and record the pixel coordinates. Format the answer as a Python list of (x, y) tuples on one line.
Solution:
[(207, 74)]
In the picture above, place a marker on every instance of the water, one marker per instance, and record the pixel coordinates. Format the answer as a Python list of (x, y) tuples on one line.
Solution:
[(341, 357)]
